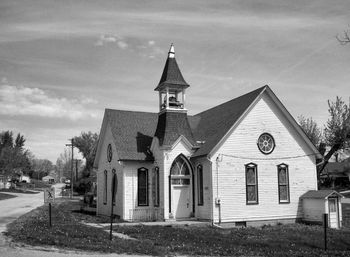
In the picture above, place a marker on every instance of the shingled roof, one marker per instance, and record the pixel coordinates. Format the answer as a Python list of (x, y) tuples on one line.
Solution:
[(133, 133), (320, 194), (171, 75), (172, 125), (211, 125)]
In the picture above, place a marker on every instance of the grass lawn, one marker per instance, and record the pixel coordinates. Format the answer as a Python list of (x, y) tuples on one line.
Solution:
[(19, 191), (6, 196), (68, 232)]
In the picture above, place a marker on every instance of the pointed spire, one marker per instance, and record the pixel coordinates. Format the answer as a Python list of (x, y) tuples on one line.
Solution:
[(171, 75), (171, 53)]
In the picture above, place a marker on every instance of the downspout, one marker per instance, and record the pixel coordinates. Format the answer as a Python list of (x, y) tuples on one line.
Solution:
[(211, 186), (217, 199)]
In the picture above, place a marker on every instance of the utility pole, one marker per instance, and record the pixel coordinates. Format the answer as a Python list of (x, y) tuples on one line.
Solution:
[(72, 167)]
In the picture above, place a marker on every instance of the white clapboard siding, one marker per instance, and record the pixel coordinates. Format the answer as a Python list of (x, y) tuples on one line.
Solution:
[(130, 193), (264, 117), (203, 211), (313, 209), (105, 209)]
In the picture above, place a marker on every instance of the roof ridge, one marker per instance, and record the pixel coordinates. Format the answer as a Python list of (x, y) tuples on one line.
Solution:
[(119, 110), (234, 99)]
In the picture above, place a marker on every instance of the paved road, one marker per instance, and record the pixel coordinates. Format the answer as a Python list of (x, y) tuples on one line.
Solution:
[(13, 208)]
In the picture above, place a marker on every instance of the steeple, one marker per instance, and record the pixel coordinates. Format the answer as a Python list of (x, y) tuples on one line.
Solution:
[(171, 85), (172, 119)]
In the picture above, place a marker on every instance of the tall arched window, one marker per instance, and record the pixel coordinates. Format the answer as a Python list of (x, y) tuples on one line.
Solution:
[(105, 187), (114, 185), (251, 178), (283, 183), (180, 172), (142, 187), (156, 186), (200, 184)]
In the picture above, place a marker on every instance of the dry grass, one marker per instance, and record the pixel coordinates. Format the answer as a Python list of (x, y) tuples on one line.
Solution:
[(6, 196), (68, 232)]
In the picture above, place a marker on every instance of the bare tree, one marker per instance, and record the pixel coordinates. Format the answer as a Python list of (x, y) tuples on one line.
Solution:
[(311, 129), (344, 38), (337, 130)]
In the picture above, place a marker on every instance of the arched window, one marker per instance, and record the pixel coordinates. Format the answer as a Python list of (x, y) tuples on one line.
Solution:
[(200, 184), (251, 178), (114, 185), (180, 172), (105, 187), (283, 183), (142, 187), (156, 186)]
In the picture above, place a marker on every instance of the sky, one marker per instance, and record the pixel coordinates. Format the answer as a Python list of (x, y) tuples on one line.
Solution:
[(63, 62)]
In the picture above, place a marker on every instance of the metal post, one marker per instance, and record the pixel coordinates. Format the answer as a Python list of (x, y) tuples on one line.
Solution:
[(72, 180), (325, 225), (50, 215)]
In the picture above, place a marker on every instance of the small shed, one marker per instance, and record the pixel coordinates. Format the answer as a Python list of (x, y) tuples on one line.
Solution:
[(316, 203)]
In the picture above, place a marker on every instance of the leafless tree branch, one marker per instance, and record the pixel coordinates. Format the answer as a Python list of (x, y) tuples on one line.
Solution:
[(345, 38)]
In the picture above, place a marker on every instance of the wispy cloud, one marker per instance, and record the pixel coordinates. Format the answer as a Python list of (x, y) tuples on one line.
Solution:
[(26, 101), (111, 39)]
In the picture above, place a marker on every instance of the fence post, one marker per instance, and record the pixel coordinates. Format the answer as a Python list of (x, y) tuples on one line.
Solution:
[(325, 225)]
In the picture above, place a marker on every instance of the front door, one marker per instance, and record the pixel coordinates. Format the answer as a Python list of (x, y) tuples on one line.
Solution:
[(180, 198), (333, 213), (181, 202)]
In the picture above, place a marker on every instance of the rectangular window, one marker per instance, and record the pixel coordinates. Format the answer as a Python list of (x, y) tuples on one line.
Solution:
[(105, 187), (200, 185), (283, 183), (251, 177), (156, 186), (142, 187)]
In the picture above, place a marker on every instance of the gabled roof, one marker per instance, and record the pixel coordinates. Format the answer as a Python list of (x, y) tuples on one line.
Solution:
[(214, 125), (132, 132), (320, 194), (211, 125), (171, 75), (172, 125)]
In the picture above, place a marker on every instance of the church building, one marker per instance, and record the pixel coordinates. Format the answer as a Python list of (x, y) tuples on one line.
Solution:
[(244, 162)]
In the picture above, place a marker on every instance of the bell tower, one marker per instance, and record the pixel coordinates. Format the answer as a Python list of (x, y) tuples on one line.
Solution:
[(172, 119), (172, 86)]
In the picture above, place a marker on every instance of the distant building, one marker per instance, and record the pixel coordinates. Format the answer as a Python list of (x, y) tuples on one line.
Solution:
[(49, 179), (246, 161)]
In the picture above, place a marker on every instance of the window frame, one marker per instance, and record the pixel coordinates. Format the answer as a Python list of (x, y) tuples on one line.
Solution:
[(115, 181), (105, 179), (279, 168), (145, 187), (156, 187), (200, 188), (252, 165)]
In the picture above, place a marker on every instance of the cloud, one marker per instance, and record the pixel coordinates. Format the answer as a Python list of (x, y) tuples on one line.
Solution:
[(108, 38), (26, 101), (151, 50)]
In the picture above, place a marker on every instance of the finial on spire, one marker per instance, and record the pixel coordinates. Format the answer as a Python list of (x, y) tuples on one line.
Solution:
[(171, 53)]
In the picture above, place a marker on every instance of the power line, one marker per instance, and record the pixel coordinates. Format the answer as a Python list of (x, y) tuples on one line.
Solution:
[(267, 159)]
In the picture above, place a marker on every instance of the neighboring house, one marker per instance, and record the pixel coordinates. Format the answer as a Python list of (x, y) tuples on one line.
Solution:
[(338, 173), (48, 179), (245, 161), (24, 178)]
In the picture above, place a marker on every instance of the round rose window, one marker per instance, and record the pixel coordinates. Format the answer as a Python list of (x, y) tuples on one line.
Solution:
[(266, 143)]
